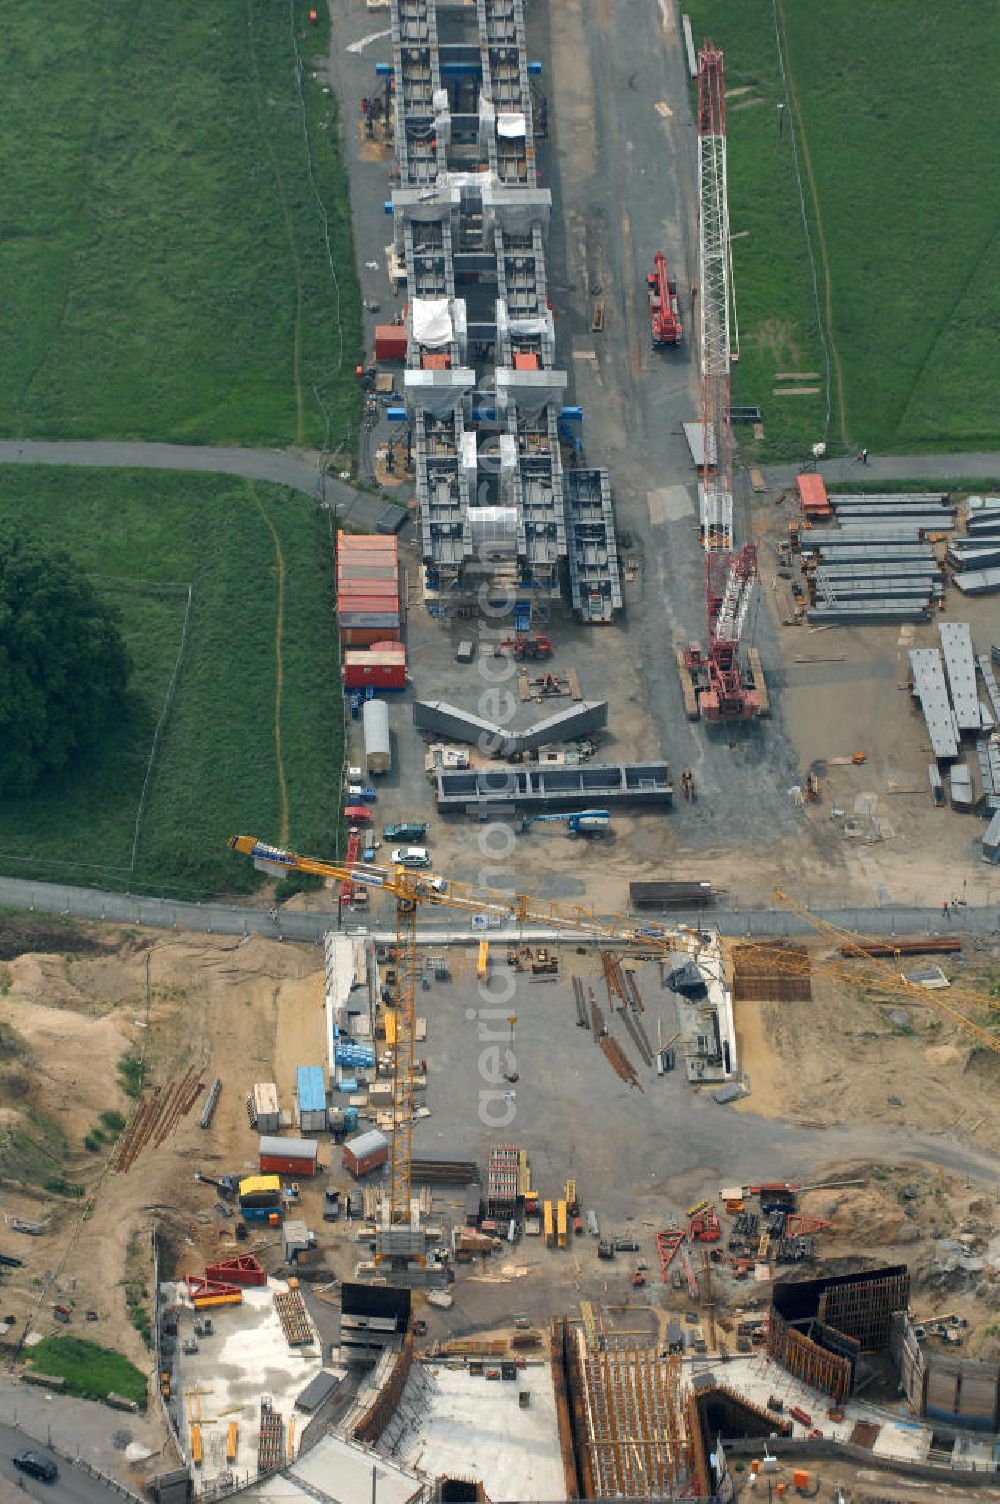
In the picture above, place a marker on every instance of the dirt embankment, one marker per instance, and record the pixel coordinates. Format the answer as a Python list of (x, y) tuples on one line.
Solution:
[(67, 1023)]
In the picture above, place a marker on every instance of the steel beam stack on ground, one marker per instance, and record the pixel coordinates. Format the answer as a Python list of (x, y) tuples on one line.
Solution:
[(930, 689), (877, 565), (978, 581), (960, 668), (469, 214)]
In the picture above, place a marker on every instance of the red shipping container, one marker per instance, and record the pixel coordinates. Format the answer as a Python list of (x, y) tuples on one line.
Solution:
[(369, 605), (812, 494), (279, 1164), (390, 341), (363, 637), (368, 1161)]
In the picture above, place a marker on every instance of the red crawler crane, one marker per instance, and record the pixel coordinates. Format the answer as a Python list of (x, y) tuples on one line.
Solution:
[(664, 310), (720, 685)]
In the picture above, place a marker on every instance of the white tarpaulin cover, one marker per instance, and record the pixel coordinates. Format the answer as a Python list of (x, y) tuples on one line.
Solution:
[(511, 125), (432, 322)]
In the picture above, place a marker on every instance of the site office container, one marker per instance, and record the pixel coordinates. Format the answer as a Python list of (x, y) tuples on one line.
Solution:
[(288, 1156), (372, 621), (365, 1153), (370, 590), (369, 595), (387, 674), (349, 572), (366, 543)]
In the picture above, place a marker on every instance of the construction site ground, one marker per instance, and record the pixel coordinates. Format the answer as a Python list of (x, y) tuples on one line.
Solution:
[(221, 1006), (620, 164), (252, 1010)]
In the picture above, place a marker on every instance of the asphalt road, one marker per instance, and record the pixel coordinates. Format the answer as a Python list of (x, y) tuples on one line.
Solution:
[(443, 927), (73, 1486), (275, 465), (929, 467)]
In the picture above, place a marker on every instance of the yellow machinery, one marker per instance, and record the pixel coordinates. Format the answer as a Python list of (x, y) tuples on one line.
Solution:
[(550, 1237), (196, 1444), (483, 963), (561, 1224), (411, 888), (232, 1437)]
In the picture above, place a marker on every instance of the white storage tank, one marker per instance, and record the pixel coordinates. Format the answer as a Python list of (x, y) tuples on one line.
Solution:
[(378, 757)]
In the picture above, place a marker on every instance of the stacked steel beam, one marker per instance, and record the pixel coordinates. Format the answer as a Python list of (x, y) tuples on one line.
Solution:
[(878, 565)]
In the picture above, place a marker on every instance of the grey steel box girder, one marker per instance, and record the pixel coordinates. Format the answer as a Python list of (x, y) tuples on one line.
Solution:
[(483, 218)]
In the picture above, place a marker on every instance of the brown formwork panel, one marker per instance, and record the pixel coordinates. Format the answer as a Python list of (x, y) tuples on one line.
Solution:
[(779, 973), (864, 1310), (808, 1361)]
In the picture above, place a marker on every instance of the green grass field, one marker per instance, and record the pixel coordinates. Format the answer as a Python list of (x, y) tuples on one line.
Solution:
[(888, 106), (144, 538), (162, 253), (89, 1370)]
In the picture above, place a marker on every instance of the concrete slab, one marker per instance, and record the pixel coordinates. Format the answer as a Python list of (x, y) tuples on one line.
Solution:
[(670, 504), (758, 1377), (337, 1469), (470, 1426), (245, 1357)]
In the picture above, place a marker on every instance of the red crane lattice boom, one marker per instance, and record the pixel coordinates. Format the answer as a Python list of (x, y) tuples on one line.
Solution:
[(719, 686)]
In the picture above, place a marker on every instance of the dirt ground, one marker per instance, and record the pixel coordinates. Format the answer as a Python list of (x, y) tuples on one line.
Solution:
[(237, 1009), (845, 1057)]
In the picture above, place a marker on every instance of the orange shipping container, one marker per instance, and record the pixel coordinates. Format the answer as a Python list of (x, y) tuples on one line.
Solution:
[(375, 542)]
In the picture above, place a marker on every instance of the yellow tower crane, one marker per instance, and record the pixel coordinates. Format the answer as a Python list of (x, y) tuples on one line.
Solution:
[(410, 889)]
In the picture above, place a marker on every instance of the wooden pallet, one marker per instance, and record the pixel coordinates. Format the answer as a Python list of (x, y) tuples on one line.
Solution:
[(761, 683), (687, 686)]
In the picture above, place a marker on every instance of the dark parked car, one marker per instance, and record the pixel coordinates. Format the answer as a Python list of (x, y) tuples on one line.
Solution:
[(37, 1465)]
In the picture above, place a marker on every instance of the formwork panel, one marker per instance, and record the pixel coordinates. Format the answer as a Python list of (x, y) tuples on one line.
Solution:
[(777, 973)]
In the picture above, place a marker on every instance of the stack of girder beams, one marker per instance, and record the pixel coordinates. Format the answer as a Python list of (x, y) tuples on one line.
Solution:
[(877, 565), (976, 556)]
